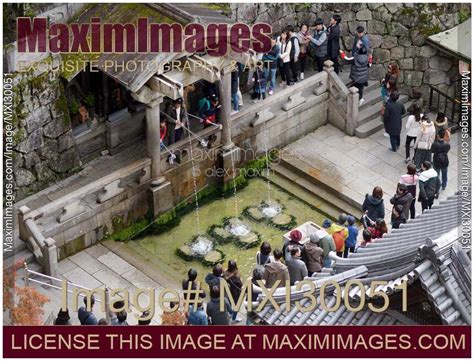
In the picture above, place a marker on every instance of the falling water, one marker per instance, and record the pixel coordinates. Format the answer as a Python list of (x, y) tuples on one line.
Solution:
[(238, 228), (198, 221), (202, 246), (236, 203), (266, 136)]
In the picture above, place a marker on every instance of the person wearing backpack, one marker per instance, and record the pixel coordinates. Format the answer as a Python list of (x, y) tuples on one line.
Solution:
[(339, 234), (294, 53), (410, 179), (314, 260), (326, 242), (208, 108), (440, 149)]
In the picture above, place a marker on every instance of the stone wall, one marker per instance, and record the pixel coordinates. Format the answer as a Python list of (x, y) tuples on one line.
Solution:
[(397, 32), (44, 148)]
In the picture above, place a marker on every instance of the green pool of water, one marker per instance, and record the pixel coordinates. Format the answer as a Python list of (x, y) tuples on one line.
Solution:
[(160, 249)]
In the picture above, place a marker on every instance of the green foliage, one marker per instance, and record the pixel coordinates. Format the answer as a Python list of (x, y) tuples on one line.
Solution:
[(19, 136), (74, 106), (89, 100), (464, 14)]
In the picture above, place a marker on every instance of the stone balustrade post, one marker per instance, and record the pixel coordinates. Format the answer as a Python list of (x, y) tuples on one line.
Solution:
[(328, 66), (21, 222), (50, 257), (352, 110)]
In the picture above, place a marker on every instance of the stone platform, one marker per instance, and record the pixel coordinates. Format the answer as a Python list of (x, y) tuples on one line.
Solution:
[(349, 167)]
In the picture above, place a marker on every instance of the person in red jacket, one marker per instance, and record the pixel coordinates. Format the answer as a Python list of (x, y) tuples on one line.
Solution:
[(163, 131), (379, 229)]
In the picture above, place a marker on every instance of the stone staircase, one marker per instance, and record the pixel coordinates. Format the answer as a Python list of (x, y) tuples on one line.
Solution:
[(369, 112)]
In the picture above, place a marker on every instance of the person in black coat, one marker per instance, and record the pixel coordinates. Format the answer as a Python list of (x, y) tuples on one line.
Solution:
[(392, 119), (373, 207), (334, 33), (440, 149)]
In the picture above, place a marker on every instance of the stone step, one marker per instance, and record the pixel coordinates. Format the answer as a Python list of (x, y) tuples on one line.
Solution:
[(329, 184), (373, 84), (18, 245), (372, 124), (25, 254), (372, 111), (310, 192), (371, 97)]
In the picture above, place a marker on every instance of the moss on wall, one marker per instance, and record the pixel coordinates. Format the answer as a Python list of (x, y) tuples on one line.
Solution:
[(72, 247)]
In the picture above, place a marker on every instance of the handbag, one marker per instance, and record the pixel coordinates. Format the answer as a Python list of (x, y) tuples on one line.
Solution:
[(423, 145)]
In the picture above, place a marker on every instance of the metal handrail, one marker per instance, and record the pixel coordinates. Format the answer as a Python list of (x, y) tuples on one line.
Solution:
[(28, 279), (447, 98)]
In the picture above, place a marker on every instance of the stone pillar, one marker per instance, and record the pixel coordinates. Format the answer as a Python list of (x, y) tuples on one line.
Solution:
[(153, 139), (225, 94), (50, 257), (352, 110)]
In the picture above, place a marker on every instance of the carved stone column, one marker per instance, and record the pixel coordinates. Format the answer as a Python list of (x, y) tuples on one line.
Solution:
[(225, 94), (153, 139)]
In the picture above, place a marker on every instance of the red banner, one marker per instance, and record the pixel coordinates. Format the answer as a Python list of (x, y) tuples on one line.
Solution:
[(237, 341)]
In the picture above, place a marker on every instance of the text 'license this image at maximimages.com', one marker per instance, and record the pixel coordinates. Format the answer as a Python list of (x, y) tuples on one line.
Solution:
[(241, 179)]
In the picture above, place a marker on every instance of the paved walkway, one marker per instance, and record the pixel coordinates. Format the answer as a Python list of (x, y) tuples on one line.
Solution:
[(356, 166), (97, 266)]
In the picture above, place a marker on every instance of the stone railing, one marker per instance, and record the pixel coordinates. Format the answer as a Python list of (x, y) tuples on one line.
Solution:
[(44, 249), (81, 213), (344, 102)]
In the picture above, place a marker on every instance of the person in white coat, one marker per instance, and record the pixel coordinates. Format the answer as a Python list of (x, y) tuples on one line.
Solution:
[(412, 127), (285, 46), (424, 140)]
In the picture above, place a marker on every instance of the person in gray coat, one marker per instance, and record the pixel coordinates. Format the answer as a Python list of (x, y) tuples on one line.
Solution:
[(215, 314), (319, 42), (359, 70), (296, 267), (392, 119)]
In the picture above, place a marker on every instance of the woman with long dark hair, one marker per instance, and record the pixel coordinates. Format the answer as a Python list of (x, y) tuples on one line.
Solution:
[(304, 47), (285, 70), (412, 127)]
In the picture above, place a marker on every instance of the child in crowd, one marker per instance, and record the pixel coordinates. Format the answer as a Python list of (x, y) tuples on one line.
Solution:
[(366, 238), (379, 229), (351, 240), (259, 85)]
